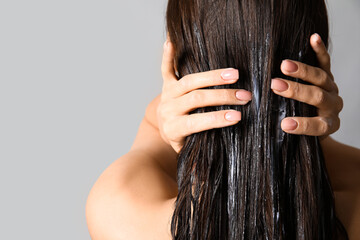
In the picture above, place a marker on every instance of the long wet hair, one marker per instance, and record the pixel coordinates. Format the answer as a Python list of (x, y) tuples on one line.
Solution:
[(251, 180)]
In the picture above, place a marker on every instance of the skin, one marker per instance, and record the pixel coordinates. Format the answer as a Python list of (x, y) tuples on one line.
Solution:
[(134, 197)]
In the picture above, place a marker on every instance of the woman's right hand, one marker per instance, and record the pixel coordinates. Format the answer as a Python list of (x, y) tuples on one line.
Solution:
[(179, 97)]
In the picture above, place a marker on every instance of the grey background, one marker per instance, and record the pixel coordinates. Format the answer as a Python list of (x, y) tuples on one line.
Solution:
[(76, 77)]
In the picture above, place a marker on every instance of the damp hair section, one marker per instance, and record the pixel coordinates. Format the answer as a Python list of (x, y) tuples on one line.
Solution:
[(251, 180)]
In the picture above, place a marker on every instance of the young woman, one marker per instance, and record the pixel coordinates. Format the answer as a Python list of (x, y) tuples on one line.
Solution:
[(135, 196)]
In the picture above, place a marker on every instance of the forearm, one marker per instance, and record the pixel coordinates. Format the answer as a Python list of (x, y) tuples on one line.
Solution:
[(343, 164)]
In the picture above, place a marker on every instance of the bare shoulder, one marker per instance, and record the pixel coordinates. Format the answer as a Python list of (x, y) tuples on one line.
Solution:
[(132, 199)]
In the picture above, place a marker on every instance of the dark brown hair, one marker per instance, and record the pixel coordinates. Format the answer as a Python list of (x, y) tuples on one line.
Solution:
[(251, 180)]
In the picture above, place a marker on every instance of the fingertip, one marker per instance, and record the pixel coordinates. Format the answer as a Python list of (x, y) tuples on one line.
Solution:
[(168, 66), (289, 124), (289, 67), (229, 74), (326, 124), (279, 85), (317, 38), (243, 95), (233, 116), (316, 42)]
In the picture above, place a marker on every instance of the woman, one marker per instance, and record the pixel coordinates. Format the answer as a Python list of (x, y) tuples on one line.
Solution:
[(134, 198)]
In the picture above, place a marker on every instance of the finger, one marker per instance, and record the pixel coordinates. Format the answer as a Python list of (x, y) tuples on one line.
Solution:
[(211, 97), (311, 126), (167, 65), (199, 122), (309, 94), (206, 79), (321, 52), (308, 73)]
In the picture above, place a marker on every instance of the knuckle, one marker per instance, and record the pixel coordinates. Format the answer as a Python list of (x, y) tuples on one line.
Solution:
[(340, 104), (183, 83), (336, 88), (226, 95), (208, 118), (303, 71), (214, 118), (337, 123), (322, 77), (171, 90), (305, 126), (324, 126), (195, 97), (189, 123), (294, 90), (319, 98)]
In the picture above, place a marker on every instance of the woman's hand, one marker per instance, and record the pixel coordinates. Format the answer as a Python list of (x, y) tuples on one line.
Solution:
[(179, 97), (323, 94)]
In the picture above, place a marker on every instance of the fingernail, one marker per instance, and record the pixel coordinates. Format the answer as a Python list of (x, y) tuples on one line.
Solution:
[(243, 95), (317, 38), (289, 124), (233, 116), (230, 74), (279, 85), (289, 66)]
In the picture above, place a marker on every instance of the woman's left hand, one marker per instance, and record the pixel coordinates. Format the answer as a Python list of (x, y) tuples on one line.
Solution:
[(324, 94)]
